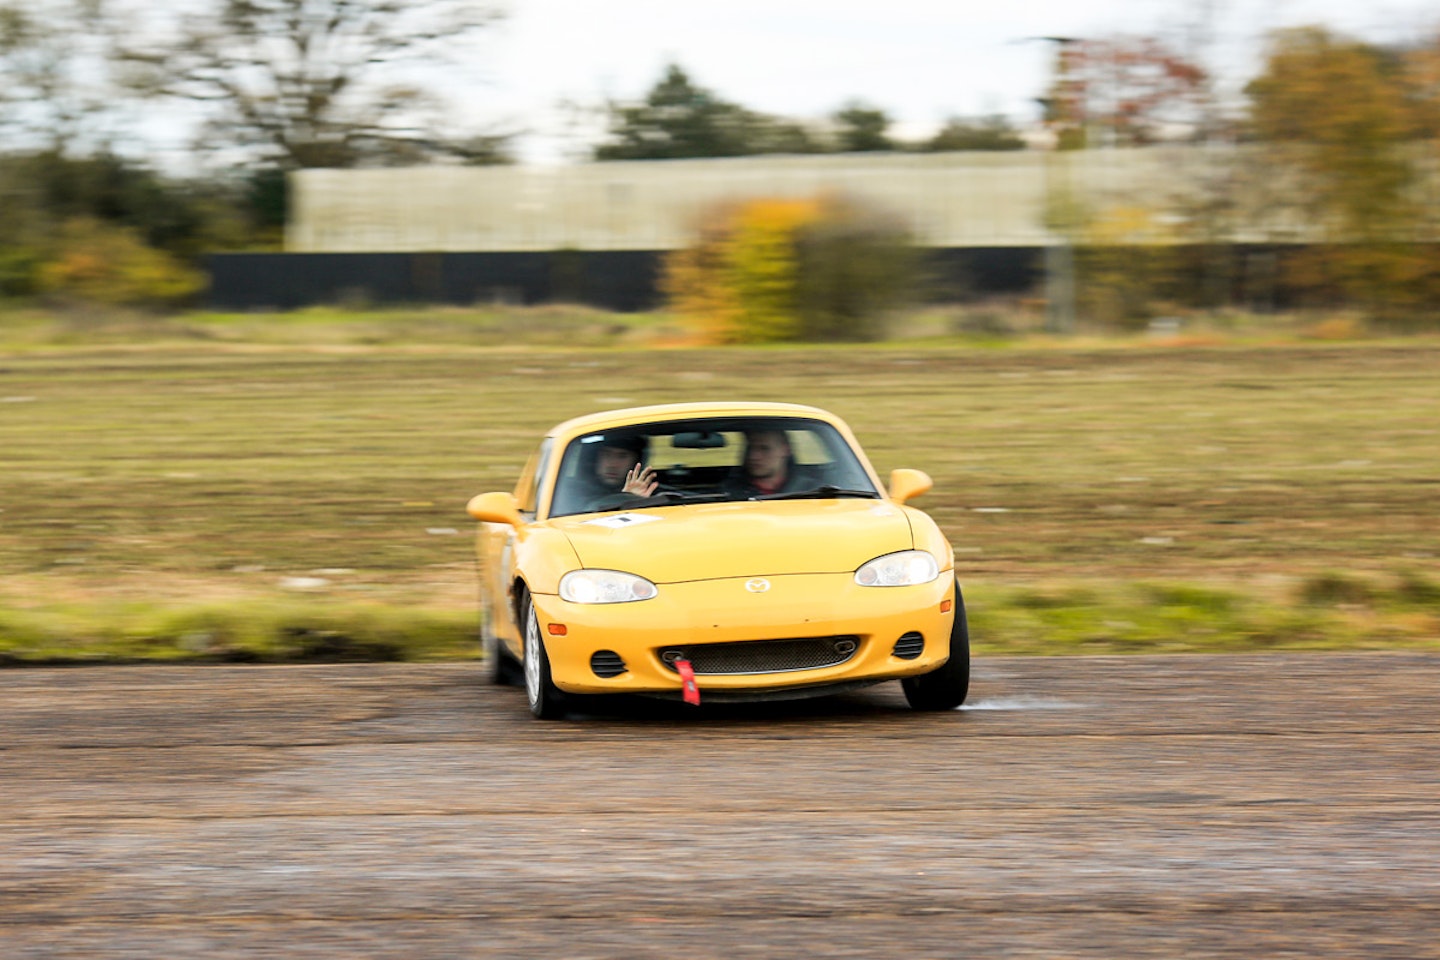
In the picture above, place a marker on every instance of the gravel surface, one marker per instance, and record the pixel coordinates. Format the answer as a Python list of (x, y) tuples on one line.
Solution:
[(1178, 807)]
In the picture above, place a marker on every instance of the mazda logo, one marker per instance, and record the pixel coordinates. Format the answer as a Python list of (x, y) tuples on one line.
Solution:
[(758, 585)]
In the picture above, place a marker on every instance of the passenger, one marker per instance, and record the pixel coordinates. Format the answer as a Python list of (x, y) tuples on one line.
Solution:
[(767, 467)]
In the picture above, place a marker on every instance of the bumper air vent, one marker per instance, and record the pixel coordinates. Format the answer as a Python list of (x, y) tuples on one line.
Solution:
[(763, 656), (910, 646), (607, 664)]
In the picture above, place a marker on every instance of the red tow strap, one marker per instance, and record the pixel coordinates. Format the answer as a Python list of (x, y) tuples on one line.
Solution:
[(687, 678)]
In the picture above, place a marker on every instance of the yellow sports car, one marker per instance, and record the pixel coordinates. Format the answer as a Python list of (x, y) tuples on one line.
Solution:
[(718, 551)]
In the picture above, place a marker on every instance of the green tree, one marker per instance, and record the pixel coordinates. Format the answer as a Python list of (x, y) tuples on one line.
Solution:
[(862, 128), (678, 119), (988, 133), (102, 263), (1422, 74), (1341, 109), (180, 218), (312, 83), (783, 270), (855, 267), (1343, 119)]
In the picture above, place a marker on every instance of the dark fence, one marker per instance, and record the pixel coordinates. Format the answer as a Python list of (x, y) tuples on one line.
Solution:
[(616, 280), (622, 280), (1260, 276)]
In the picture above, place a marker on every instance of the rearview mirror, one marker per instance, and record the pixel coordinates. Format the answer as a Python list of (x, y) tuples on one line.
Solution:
[(698, 440), (495, 508), (908, 484)]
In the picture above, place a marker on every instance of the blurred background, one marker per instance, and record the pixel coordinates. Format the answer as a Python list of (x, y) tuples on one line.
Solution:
[(1150, 289), (1116, 166)]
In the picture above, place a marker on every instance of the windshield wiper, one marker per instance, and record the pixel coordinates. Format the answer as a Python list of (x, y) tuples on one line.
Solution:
[(825, 491), (666, 498)]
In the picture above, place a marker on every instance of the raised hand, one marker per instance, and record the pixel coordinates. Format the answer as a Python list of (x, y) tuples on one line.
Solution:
[(641, 481)]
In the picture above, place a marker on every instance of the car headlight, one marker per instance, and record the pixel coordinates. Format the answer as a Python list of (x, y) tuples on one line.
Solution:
[(605, 586), (903, 569)]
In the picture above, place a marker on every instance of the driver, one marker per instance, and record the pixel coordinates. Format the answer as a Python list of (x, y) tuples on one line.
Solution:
[(619, 467)]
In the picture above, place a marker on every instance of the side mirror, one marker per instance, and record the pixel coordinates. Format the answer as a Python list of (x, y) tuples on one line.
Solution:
[(495, 508), (907, 484)]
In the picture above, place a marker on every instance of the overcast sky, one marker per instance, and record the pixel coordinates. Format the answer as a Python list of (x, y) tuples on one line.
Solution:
[(919, 60)]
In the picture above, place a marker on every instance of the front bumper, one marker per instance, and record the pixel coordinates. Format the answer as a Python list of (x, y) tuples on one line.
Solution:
[(725, 611)]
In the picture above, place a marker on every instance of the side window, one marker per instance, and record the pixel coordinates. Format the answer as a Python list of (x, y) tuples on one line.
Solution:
[(527, 491), (839, 465), (541, 469)]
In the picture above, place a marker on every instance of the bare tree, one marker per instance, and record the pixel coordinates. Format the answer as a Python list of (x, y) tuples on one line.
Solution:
[(318, 83), (52, 60)]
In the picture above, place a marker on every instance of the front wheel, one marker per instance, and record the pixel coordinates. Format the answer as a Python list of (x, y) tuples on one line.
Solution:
[(546, 700), (945, 688)]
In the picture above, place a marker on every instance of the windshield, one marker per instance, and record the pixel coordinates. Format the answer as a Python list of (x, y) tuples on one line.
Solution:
[(730, 458)]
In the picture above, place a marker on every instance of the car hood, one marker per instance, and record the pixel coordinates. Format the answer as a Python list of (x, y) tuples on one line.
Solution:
[(745, 539)]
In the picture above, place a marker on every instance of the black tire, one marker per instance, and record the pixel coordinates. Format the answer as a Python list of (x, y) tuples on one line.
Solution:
[(945, 688), (501, 668), (545, 699)]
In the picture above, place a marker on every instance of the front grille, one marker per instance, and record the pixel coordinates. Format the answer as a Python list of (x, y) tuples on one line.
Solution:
[(909, 646), (607, 664), (763, 656)]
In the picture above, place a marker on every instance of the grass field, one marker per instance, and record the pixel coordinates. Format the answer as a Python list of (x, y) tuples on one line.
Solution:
[(213, 499)]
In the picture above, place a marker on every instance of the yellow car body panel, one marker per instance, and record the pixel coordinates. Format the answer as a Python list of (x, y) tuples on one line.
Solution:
[(708, 541), (730, 572), (724, 611)]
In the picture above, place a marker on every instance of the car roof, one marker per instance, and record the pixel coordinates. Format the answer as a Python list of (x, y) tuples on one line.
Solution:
[(685, 411)]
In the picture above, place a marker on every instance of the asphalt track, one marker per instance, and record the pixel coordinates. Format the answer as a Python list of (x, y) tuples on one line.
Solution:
[(1177, 807)]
